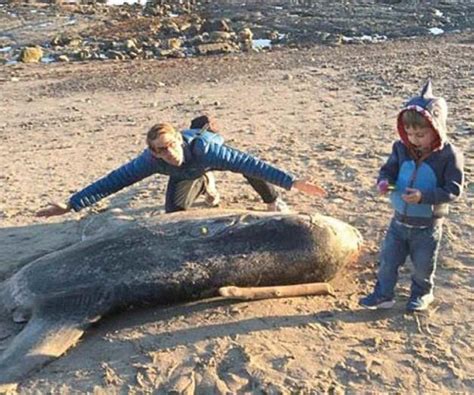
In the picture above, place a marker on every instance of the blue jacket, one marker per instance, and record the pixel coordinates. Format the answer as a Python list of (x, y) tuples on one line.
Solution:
[(438, 175), (203, 151), (439, 178)]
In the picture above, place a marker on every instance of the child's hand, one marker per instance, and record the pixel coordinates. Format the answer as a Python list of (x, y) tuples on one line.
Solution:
[(412, 196), (309, 188), (383, 187)]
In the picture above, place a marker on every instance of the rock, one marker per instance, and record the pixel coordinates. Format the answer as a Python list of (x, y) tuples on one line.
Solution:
[(117, 55), (215, 25), (76, 42), (196, 40), (130, 44), (83, 54), (31, 55), (174, 43), (218, 36), (63, 58), (185, 26), (148, 54), (62, 40), (334, 39), (245, 35), (171, 28), (246, 45), (194, 29), (216, 48), (57, 41), (171, 53), (108, 45), (274, 36)]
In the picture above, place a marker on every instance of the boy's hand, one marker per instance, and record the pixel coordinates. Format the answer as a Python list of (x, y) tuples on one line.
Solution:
[(310, 189), (53, 209), (412, 196), (383, 187)]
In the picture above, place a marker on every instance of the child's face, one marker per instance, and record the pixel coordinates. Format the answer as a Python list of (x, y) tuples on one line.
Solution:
[(421, 137)]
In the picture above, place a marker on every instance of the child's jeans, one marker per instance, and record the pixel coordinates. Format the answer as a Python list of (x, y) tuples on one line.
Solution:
[(421, 244)]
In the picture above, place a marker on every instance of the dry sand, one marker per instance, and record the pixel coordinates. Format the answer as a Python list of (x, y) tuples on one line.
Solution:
[(323, 113)]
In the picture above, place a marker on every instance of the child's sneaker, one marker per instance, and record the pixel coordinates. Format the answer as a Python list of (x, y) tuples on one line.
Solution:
[(278, 205), (420, 303), (212, 197), (374, 302)]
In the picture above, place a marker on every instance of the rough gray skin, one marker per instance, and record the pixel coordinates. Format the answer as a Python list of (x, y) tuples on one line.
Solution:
[(166, 259)]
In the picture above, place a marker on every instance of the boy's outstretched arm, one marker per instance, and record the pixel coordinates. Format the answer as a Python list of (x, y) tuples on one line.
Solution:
[(125, 175), (309, 188), (223, 157)]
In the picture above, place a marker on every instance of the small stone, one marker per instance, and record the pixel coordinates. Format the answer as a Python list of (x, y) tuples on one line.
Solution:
[(246, 35), (63, 58), (215, 48), (31, 55), (219, 36), (130, 44), (215, 25), (117, 55), (174, 43), (273, 35)]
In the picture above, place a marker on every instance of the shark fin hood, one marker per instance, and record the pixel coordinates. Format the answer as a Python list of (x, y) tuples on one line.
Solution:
[(434, 110)]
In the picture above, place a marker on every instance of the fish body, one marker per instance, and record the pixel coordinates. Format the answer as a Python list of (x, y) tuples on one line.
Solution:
[(162, 260)]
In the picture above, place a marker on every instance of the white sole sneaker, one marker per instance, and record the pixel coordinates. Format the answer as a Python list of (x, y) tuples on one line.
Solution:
[(423, 305), (384, 305)]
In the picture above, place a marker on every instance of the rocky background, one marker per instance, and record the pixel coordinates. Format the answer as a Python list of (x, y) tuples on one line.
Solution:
[(162, 29)]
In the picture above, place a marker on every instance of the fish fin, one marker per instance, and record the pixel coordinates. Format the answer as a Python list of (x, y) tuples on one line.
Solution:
[(55, 326), (42, 340)]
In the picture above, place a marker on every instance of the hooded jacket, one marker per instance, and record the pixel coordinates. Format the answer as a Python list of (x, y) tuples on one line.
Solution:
[(438, 175), (203, 151)]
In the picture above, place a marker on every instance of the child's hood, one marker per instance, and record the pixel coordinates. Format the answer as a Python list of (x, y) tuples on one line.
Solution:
[(434, 109)]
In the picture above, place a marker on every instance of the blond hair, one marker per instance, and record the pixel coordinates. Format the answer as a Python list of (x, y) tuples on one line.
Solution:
[(413, 119), (159, 129)]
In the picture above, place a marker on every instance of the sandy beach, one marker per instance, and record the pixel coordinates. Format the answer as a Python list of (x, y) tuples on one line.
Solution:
[(323, 112)]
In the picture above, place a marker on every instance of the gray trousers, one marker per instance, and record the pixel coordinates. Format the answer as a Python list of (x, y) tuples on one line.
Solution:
[(181, 194)]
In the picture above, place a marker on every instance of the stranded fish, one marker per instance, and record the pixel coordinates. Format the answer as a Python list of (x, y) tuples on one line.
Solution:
[(161, 260)]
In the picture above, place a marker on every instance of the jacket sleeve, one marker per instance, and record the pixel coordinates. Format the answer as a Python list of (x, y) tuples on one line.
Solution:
[(453, 180), (128, 174), (389, 171), (223, 157)]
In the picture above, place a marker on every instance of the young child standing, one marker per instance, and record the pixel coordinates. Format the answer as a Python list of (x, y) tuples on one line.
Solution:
[(424, 173)]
